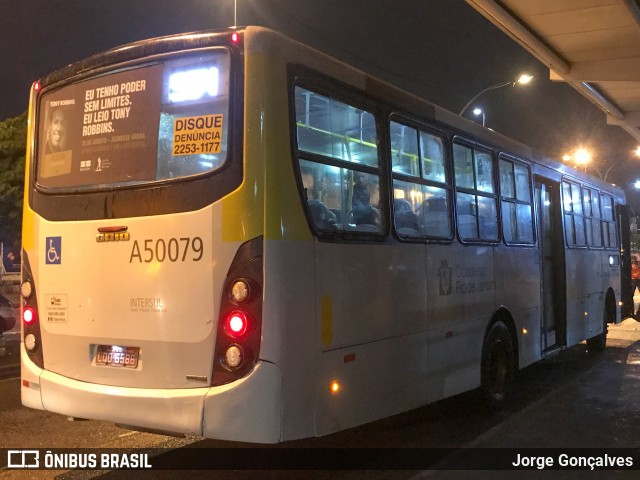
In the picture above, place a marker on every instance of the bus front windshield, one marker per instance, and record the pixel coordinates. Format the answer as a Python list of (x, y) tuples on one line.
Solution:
[(155, 121)]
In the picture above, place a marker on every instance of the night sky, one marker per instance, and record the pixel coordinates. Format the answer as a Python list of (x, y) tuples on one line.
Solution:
[(441, 50)]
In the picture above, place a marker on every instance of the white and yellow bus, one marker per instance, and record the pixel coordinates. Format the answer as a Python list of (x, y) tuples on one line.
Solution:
[(233, 235)]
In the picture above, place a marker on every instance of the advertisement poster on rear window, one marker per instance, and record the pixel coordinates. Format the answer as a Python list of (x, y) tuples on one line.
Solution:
[(100, 131)]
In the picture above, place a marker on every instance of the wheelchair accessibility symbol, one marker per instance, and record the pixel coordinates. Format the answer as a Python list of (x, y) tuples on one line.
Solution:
[(53, 254)]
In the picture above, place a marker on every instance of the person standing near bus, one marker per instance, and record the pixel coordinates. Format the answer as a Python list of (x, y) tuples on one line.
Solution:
[(635, 280)]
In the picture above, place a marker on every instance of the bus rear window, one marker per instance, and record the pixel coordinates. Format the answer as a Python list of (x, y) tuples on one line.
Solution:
[(153, 122)]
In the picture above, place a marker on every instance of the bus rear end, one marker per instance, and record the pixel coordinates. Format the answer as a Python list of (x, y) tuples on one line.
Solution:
[(142, 253)]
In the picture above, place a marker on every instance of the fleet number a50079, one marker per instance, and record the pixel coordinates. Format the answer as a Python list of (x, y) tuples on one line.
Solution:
[(183, 249)]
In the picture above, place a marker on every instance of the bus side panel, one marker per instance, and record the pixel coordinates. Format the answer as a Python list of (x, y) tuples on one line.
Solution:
[(518, 290), (589, 275), (289, 335), (246, 410), (371, 304), (373, 292), (373, 381), (461, 303), (292, 340)]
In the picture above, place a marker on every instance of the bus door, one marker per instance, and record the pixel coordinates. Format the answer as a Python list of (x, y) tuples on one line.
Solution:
[(552, 264)]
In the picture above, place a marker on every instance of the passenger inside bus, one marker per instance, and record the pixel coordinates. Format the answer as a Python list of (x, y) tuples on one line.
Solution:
[(434, 217), (362, 212), (323, 218), (405, 218), (361, 195)]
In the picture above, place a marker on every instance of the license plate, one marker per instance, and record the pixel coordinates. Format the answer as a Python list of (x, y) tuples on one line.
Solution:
[(115, 356)]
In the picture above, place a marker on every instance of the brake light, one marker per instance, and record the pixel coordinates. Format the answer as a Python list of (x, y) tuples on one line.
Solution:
[(240, 322), (235, 37), (237, 323), (29, 315)]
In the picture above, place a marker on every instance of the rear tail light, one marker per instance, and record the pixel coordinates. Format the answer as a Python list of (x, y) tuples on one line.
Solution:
[(26, 289), (237, 324), (30, 342), (29, 315), (240, 322), (240, 291), (30, 318), (234, 356)]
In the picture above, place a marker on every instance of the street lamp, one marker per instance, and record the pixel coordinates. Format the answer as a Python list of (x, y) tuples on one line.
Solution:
[(581, 157), (479, 111), (521, 80)]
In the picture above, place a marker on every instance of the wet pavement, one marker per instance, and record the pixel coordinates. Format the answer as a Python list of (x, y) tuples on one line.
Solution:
[(599, 409)]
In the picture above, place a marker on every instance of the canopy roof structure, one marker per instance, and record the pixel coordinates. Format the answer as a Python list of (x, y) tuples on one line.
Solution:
[(593, 45)]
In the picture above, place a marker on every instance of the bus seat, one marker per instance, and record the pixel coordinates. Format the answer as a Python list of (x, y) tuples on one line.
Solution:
[(364, 215), (406, 220), (323, 218), (467, 226), (434, 218)]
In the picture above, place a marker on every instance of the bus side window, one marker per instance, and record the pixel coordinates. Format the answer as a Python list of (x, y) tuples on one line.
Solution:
[(608, 222), (421, 210), (337, 150), (477, 213), (517, 209), (341, 199), (421, 207), (596, 228), (573, 215)]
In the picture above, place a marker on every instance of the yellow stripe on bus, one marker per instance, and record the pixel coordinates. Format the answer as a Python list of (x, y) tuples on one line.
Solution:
[(326, 316)]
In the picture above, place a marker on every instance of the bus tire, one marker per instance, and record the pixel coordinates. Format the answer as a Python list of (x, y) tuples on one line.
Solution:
[(498, 366)]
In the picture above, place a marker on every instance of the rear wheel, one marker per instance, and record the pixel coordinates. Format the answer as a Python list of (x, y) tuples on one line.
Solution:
[(498, 365)]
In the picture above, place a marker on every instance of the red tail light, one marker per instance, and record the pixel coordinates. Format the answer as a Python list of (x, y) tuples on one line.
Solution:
[(29, 315), (237, 323), (240, 319)]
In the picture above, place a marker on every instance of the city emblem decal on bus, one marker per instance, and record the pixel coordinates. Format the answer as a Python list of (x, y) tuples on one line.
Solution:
[(444, 277), (113, 234)]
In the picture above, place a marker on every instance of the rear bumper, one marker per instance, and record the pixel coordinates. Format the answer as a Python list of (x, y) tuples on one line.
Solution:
[(247, 410)]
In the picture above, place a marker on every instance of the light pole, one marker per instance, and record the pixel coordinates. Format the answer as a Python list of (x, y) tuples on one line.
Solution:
[(235, 13), (521, 80), (479, 111)]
